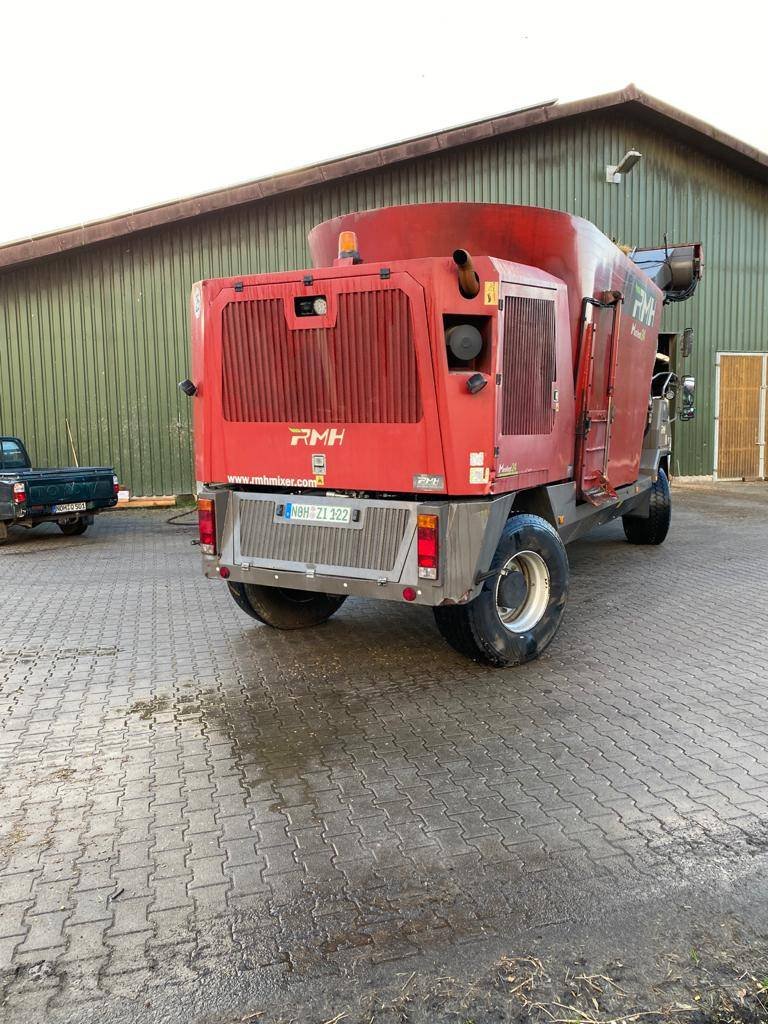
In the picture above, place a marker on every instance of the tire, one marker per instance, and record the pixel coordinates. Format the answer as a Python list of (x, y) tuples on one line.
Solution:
[(517, 613), (75, 529), (284, 608), (654, 528)]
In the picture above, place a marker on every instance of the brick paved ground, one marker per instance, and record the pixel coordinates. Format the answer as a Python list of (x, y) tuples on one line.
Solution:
[(203, 817)]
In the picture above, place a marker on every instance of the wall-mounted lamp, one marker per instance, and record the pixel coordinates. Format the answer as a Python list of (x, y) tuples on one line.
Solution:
[(613, 172)]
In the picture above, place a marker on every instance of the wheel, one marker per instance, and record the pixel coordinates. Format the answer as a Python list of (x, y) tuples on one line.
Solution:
[(73, 529), (3, 534), (284, 608), (653, 528), (517, 613)]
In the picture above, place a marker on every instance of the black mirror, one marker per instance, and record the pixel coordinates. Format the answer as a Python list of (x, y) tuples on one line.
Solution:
[(688, 394), (686, 342)]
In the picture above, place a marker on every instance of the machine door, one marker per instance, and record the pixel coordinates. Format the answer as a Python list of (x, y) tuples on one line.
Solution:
[(595, 386), (534, 419)]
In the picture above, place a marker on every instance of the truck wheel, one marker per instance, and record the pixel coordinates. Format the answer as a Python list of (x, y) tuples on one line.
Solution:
[(73, 529), (653, 528), (518, 611), (284, 608)]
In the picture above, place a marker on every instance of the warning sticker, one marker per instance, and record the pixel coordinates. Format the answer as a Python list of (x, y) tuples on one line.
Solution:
[(491, 291), (477, 458), (479, 475)]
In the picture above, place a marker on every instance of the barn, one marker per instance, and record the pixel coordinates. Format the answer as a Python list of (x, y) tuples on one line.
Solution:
[(93, 331)]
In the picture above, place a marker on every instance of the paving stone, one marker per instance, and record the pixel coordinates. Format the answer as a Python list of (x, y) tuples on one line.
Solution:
[(201, 793)]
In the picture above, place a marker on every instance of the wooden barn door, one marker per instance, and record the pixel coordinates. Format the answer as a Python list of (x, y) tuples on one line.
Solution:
[(741, 416)]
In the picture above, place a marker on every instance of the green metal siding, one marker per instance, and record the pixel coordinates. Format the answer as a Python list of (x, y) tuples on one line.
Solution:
[(99, 336)]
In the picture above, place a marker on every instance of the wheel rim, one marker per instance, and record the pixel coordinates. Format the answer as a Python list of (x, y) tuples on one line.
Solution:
[(522, 591)]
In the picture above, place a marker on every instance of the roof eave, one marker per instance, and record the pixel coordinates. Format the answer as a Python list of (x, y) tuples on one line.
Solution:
[(699, 133)]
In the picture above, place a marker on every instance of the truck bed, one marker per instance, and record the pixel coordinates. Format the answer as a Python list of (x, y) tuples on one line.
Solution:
[(53, 493)]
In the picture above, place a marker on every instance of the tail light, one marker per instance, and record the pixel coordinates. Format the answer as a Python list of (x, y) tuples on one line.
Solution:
[(427, 546), (115, 485), (19, 494), (206, 524)]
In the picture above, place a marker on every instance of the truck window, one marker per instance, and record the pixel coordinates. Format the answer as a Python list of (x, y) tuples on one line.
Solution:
[(12, 455)]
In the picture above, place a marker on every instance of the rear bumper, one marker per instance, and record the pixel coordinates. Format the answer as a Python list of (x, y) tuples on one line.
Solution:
[(44, 514), (376, 558)]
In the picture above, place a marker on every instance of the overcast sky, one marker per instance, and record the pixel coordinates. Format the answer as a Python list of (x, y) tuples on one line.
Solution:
[(112, 106)]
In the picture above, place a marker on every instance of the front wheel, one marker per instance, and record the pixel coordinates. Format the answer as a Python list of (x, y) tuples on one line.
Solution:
[(518, 611), (653, 528), (284, 608), (75, 529)]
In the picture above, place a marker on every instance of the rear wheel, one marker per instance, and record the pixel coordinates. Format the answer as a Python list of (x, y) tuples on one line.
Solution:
[(517, 613), (73, 529), (651, 529), (285, 608)]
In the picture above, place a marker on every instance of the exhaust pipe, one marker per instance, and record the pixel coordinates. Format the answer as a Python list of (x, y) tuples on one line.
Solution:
[(469, 282)]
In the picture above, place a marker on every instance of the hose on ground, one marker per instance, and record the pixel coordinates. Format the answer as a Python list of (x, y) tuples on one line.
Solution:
[(174, 520)]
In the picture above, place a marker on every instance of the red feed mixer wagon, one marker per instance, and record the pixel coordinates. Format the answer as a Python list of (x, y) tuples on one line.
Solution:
[(453, 393)]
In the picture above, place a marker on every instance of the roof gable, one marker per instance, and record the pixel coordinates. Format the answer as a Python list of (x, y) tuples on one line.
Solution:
[(631, 100)]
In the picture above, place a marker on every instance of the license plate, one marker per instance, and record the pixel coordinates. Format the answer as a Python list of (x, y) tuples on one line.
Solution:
[(73, 506), (304, 513)]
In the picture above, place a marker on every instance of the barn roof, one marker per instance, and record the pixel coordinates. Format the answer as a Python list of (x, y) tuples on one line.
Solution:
[(630, 101)]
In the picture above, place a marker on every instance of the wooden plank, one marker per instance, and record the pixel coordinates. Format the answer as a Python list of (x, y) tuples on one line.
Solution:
[(161, 501)]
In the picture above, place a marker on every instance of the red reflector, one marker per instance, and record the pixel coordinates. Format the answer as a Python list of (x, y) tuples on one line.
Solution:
[(206, 524), (427, 546), (409, 594), (224, 572)]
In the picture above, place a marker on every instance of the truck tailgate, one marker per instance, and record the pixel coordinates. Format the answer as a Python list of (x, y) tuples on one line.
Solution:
[(50, 487)]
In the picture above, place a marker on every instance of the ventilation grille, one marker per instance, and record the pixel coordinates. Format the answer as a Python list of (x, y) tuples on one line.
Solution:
[(528, 366), (363, 370), (374, 546)]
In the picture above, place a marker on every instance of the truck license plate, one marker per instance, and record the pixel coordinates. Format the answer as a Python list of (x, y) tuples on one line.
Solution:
[(73, 506), (304, 513)]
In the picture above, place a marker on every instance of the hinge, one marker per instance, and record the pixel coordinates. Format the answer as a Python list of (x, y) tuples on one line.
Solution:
[(384, 273), (501, 303), (308, 280), (498, 379), (238, 286)]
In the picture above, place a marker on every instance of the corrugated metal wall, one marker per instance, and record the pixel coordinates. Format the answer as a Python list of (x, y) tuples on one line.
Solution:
[(99, 337)]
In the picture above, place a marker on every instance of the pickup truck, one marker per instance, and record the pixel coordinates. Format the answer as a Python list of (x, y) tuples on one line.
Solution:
[(68, 497)]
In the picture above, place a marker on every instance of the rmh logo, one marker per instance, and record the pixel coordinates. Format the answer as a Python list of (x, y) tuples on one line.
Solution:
[(644, 308), (309, 436)]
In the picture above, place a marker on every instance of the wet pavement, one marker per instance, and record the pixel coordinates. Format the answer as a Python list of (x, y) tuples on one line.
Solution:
[(206, 820)]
